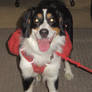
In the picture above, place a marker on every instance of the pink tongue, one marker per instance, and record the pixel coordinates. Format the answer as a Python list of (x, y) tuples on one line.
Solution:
[(43, 44)]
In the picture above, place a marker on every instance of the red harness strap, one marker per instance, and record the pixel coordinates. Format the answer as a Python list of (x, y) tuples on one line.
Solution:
[(38, 69), (29, 58)]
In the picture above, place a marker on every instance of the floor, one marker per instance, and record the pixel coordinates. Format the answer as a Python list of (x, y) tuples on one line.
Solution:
[(10, 80)]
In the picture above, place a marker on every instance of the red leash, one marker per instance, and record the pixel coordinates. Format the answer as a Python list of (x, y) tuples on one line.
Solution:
[(74, 62)]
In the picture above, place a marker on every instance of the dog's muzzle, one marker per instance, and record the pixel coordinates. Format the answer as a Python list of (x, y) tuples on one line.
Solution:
[(45, 41), (44, 33)]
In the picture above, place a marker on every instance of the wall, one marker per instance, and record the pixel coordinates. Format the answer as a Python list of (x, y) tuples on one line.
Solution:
[(9, 14)]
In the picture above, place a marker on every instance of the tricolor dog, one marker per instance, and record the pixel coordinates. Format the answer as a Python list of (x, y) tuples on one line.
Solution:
[(43, 34)]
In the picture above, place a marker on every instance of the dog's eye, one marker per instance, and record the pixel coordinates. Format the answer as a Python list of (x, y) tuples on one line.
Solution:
[(36, 20), (51, 20)]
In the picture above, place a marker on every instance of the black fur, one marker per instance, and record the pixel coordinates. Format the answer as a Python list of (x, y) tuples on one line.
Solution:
[(56, 84), (25, 22), (27, 82)]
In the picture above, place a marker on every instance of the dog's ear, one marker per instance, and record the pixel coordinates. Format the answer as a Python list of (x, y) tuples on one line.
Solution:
[(26, 22), (67, 21), (67, 18), (62, 32)]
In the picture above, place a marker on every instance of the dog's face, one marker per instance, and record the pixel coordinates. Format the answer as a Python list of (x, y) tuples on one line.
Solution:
[(44, 25)]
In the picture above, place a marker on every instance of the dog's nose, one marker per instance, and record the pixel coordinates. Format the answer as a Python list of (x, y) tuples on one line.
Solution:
[(44, 33)]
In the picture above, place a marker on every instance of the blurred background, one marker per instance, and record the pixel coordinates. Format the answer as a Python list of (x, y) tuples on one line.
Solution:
[(9, 14)]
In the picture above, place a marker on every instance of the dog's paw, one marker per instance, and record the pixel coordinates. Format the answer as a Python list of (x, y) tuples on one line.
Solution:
[(69, 75)]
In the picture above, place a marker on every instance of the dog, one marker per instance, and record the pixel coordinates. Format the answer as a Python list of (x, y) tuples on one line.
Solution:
[(43, 34)]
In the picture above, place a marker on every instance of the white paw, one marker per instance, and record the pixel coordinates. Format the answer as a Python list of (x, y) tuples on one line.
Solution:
[(69, 75)]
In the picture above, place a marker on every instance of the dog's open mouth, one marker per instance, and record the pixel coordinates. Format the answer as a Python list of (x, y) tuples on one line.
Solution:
[(44, 44)]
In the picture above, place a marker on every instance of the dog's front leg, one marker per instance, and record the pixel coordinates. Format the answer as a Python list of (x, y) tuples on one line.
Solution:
[(52, 85), (28, 84), (68, 72), (52, 71), (28, 76)]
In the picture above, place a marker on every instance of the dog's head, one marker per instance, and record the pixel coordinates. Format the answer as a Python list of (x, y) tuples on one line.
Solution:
[(44, 24)]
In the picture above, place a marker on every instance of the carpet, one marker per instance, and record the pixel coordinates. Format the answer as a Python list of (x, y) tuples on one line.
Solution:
[(10, 80)]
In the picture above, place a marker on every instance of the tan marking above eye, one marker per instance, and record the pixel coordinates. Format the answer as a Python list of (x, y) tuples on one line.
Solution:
[(57, 29), (49, 15), (39, 15)]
